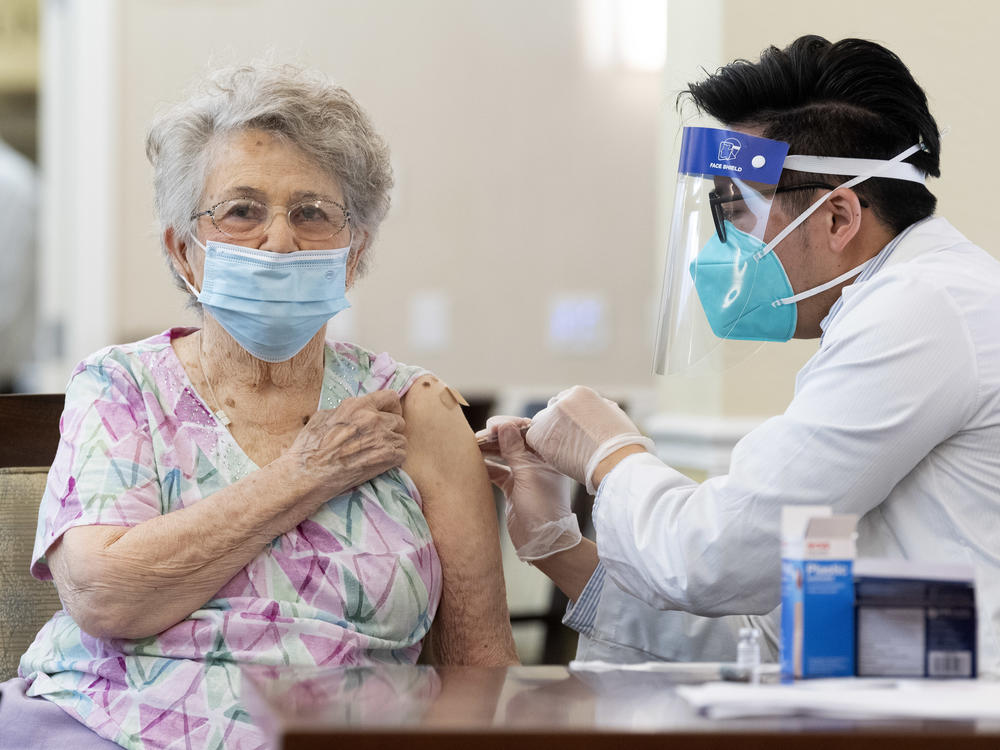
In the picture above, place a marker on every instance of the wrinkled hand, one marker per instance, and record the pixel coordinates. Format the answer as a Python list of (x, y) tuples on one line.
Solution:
[(338, 449), (579, 429), (539, 518)]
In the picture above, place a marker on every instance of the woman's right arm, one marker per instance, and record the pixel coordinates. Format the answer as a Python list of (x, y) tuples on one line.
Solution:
[(134, 582)]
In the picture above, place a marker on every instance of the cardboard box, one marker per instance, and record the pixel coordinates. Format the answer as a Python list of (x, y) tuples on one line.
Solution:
[(915, 619), (817, 592)]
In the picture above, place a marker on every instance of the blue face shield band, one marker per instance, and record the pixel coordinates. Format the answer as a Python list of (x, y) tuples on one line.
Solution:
[(272, 304)]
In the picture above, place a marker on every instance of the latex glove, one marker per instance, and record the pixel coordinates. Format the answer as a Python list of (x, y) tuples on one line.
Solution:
[(579, 429), (540, 520)]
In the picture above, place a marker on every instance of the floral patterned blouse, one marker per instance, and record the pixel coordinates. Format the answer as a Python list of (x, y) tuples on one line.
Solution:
[(357, 583)]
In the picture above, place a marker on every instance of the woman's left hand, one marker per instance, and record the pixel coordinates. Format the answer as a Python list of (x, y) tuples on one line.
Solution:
[(338, 449)]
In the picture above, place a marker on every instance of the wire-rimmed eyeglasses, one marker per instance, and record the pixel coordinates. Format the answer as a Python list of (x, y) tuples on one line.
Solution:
[(247, 219)]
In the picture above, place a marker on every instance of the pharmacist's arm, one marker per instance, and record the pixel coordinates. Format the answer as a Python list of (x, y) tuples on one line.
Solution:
[(871, 404), (614, 626), (571, 569)]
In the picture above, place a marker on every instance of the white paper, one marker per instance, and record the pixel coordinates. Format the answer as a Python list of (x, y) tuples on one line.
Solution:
[(966, 700)]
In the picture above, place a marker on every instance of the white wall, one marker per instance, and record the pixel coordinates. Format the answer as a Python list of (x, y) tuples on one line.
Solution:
[(523, 174), (79, 219)]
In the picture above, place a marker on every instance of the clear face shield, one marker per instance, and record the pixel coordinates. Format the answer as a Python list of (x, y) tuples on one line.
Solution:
[(724, 289), (726, 185)]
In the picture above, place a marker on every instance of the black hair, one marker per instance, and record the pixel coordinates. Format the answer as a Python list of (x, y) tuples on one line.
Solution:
[(852, 98)]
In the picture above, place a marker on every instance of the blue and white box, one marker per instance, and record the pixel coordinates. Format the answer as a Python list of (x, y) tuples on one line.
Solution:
[(915, 618), (817, 592)]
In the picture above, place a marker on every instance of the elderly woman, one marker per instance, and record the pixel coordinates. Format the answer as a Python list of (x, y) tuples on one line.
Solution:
[(250, 492)]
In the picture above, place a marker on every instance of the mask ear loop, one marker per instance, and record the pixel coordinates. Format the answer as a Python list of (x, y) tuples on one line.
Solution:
[(883, 167), (190, 287), (187, 283), (822, 287)]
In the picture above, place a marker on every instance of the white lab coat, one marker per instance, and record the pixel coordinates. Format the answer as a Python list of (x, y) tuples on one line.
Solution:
[(896, 418)]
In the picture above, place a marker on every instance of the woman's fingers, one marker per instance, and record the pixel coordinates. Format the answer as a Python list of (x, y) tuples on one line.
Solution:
[(393, 422), (360, 439), (387, 401)]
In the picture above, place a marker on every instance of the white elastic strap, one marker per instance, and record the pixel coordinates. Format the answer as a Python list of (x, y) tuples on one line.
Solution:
[(822, 287), (608, 447), (184, 278), (874, 172), (842, 166), (194, 291)]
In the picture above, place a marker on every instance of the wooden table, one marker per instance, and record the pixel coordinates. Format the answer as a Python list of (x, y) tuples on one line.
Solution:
[(524, 708)]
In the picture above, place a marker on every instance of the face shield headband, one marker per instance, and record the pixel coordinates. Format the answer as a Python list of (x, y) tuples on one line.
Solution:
[(722, 281), (784, 326), (864, 169)]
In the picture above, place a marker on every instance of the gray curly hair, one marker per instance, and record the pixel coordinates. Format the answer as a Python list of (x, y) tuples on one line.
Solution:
[(302, 107)]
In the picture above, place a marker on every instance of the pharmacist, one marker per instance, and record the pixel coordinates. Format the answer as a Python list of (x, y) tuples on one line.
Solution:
[(802, 212)]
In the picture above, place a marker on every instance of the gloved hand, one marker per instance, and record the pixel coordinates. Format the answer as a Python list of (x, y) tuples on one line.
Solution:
[(579, 429), (539, 517)]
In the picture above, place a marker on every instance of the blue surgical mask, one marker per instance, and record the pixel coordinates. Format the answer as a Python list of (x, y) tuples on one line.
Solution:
[(272, 303)]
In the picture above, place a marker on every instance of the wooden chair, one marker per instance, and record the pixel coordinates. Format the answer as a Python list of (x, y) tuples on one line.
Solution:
[(29, 435)]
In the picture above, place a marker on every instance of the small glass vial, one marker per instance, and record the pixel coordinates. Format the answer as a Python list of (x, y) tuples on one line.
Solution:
[(748, 654)]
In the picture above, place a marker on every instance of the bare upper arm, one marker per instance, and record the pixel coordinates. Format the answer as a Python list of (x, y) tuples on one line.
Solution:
[(473, 625), (441, 448), (445, 463)]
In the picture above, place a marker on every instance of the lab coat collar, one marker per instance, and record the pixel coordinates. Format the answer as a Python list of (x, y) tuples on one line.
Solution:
[(927, 235), (924, 236)]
